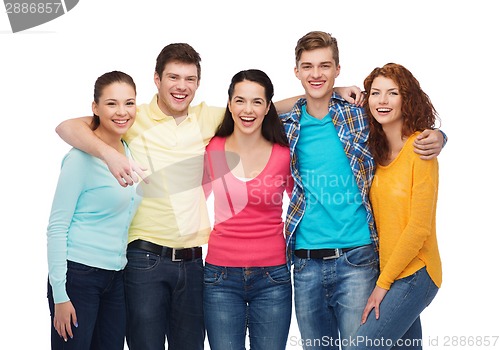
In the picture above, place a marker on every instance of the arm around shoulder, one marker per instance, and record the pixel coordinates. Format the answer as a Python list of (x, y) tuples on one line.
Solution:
[(77, 133)]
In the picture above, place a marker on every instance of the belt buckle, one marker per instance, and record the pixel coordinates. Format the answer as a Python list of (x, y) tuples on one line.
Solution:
[(334, 256), (174, 258)]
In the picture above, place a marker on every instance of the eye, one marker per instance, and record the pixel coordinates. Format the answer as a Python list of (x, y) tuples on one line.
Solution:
[(130, 103), (374, 93)]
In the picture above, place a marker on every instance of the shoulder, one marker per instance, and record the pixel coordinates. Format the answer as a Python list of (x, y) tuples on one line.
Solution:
[(74, 155), (418, 163), (216, 143), (202, 110), (281, 150)]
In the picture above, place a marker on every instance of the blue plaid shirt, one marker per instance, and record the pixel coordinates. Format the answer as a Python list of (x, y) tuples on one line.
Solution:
[(352, 128)]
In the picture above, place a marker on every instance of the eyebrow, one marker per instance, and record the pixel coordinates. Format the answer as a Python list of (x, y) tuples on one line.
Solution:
[(253, 99), (391, 89), (324, 62), (178, 75)]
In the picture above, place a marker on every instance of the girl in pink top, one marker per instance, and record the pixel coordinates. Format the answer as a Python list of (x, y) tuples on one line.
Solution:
[(247, 283)]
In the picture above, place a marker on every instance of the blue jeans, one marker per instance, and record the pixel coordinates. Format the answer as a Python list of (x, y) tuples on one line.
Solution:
[(259, 298), (330, 296), (398, 326), (99, 301), (164, 300)]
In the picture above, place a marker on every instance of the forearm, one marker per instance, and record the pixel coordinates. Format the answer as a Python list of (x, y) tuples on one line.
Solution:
[(284, 106), (77, 133)]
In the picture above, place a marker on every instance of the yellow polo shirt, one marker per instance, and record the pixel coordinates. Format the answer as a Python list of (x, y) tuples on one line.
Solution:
[(173, 210)]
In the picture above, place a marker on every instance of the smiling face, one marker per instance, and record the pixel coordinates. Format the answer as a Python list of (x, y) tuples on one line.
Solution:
[(176, 88), (248, 107), (385, 102), (317, 72), (115, 108)]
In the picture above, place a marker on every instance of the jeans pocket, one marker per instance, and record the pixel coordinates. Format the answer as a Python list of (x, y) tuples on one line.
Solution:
[(299, 265), (212, 274), (279, 275), (141, 260), (362, 257)]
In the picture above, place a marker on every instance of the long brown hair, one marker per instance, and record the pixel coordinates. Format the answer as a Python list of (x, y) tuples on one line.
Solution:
[(418, 113)]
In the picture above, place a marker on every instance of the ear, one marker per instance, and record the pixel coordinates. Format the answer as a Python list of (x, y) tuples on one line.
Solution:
[(157, 80), (296, 71), (337, 71), (95, 110), (229, 106)]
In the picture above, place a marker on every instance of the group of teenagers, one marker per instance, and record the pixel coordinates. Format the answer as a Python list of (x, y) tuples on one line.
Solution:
[(129, 216)]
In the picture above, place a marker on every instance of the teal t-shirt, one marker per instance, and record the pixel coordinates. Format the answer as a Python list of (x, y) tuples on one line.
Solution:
[(335, 216)]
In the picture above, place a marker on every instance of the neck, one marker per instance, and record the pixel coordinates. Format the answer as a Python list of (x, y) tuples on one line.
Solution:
[(245, 142), (253, 152), (178, 116), (395, 139), (318, 107), (114, 141)]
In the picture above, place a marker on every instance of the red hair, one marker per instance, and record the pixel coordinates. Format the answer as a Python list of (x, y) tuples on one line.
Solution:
[(418, 113)]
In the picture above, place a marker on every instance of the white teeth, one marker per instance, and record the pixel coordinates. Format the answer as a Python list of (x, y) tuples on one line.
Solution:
[(120, 121), (383, 110), (179, 96), (247, 119)]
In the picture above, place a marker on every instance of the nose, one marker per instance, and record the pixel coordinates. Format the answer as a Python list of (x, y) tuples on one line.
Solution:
[(316, 71), (181, 84), (248, 107), (383, 99), (122, 110)]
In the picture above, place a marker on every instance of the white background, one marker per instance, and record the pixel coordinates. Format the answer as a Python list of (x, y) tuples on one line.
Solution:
[(47, 75)]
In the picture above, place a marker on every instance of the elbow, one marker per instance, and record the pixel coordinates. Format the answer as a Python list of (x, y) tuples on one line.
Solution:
[(59, 129)]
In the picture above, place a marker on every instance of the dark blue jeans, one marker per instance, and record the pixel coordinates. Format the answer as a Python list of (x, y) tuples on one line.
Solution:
[(164, 300), (98, 298), (257, 298)]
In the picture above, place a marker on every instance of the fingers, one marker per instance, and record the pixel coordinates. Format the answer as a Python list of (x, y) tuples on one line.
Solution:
[(129, 176), (139, 172), (366, 312), (69, 329), (61, 329), (362, 97)]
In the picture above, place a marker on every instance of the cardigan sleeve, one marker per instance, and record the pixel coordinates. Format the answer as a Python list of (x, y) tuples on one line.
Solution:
[(69, 187)]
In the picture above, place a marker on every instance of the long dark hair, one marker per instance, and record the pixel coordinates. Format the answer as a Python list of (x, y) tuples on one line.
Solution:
[(105, 80), (272, 129), (417, 111)]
